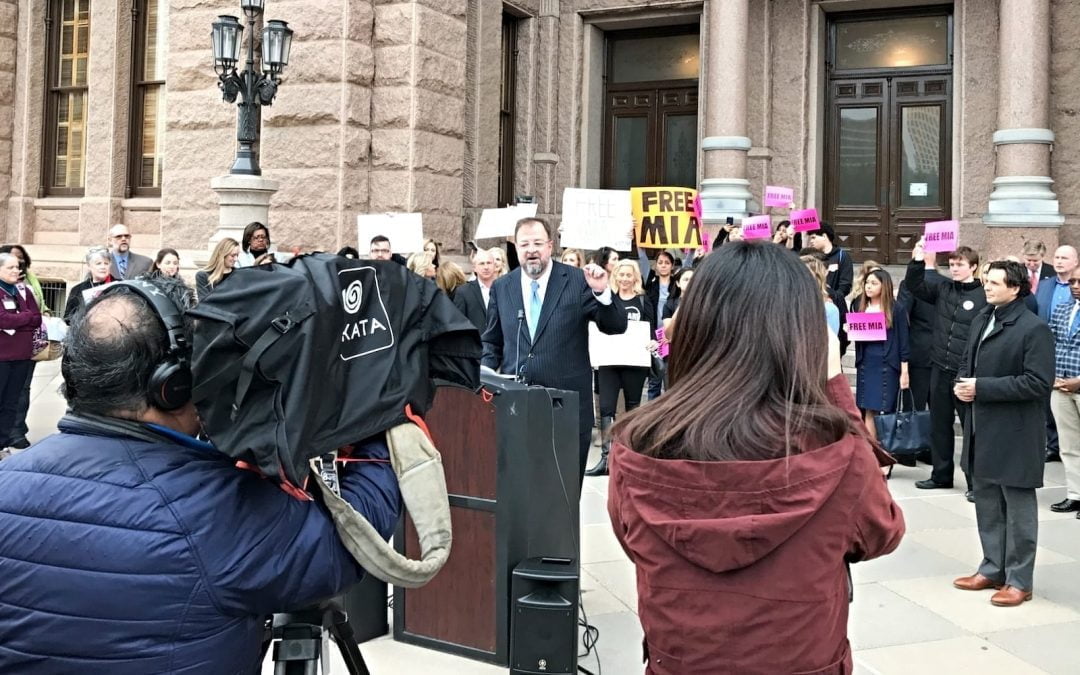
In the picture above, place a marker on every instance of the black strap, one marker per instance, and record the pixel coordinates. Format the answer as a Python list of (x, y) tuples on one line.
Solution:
[(274, 332)]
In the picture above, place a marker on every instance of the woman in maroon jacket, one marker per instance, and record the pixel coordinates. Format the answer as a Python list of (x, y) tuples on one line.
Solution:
[(743, 492), (19, 318)]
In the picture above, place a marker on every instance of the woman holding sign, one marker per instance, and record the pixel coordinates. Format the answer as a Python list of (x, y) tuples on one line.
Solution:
[(742, 492), (630, 380), (882, 365)]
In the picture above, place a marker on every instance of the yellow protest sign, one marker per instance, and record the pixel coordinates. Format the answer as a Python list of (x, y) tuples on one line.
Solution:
[(664, 217)]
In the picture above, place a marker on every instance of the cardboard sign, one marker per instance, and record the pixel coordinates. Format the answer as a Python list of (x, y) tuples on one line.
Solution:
[(404, 230), (805, 220), (664, 217), (665, 347), (592, 219), (941, 236), (500, 223), (757, 227), (866, 326), (626, 349), (779, 196)]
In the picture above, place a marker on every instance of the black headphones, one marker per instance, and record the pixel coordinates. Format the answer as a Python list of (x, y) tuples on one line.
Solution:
[(170, 384)]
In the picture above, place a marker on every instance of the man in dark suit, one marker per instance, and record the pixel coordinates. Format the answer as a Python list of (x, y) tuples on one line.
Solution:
[(1037, 268), (1006, 376), (538, 322), (1052, 292), (125, 264), (472, 298)]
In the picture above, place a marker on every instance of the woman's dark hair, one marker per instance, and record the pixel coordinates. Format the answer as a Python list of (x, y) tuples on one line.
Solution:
[(669, 255), (674, 291), (8, 248), (1015, 275), (249, 232), (887, 299), (349, 252), (600, 256), (155, 269), (759, 374)]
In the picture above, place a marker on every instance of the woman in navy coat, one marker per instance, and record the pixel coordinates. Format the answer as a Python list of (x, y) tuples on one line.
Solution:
[(882, 366)]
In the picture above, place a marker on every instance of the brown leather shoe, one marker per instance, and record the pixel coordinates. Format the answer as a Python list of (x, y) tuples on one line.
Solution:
[(976, 582), (1010, 596)]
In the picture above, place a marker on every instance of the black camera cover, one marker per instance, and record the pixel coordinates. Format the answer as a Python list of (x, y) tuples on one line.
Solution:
[(291, 361)]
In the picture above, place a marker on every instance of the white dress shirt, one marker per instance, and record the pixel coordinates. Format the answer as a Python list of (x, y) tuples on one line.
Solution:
[(526, 288)]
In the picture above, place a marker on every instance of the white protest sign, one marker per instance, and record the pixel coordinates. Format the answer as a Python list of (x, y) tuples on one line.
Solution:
[(499, 223), (626, 349), (592, 219), (404, 230)]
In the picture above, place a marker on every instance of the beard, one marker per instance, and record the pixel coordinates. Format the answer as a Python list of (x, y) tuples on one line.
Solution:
[(533, 267)]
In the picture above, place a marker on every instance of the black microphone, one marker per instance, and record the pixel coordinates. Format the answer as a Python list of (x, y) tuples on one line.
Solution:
[(517, 347)]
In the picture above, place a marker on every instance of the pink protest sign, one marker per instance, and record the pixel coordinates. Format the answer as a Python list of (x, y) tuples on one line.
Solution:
[(866, 326), (805, 220), (706, 243), (779, 196), (941, 236), (757, 227), (665, 348), (697, 207)]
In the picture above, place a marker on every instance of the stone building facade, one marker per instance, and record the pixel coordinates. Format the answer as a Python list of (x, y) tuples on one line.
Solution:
[(880, 113)]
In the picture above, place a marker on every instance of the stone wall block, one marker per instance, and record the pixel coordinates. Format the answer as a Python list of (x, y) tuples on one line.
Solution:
[(441, 33), (393, 66), (354, 198), (312, 21), (9, 14), (197, 110), (309, 230), (192, 71), (1064, 105), (188, 229), (440, 73), (389, 190), (188, 189), (444, 228), (391, 149), (457, 8), (394, 24), (316, 62), (359, 62), (439, 113), (391, 107), (189, 29), (357, 105), (433, 193), (359, 20), (299, 103), (305, 189), (436, 153), (356, 148), (209, 150), (304, 146)]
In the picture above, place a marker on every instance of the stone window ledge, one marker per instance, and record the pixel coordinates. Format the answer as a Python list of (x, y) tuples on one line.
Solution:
[(141, 204), (58, 203)]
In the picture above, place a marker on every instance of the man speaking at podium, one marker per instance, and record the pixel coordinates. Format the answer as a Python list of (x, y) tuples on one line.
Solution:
[(538, 322)]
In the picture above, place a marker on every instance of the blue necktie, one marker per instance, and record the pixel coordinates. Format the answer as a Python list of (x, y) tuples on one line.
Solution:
[(534, 308), (121, 264)]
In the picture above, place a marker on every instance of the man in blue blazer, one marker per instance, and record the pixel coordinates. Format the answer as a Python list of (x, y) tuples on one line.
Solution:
[(1051, 293), (538, 322)]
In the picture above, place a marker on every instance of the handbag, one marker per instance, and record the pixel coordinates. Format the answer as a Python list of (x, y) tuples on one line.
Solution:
[(904, 432), (48, 345), (657, 368), (40, 341)]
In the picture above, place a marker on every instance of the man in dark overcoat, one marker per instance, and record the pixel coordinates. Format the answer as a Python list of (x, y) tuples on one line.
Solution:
[(1006, 374)]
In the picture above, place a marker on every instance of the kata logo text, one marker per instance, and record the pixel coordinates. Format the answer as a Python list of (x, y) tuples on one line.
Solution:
[(367, 326)]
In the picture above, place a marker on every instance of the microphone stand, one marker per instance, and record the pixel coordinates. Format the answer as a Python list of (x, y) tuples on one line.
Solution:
[(517, 348)]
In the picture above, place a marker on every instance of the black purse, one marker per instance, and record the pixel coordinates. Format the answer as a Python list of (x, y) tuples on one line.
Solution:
[(904, 432)]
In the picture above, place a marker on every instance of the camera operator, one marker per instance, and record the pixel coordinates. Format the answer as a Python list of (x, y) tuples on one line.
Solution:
[(130, 546)]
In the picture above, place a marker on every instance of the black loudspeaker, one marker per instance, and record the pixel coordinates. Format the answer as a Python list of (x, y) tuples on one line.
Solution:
[(365, 605), (544, 612)]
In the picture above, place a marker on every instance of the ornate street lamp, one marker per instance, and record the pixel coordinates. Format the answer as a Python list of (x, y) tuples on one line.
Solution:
[(254, 89)]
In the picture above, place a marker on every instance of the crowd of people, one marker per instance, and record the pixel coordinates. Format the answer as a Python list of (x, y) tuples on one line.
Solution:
[(996, 347)]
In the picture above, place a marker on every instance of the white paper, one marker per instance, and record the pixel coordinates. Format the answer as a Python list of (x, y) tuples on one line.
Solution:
[(404, 230), (500, 223), (592, 219), (917, 189), (55, 328), (94, 291), (627, 349)]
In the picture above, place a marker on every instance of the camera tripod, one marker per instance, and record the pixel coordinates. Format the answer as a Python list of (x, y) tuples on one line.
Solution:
[(300, 640)]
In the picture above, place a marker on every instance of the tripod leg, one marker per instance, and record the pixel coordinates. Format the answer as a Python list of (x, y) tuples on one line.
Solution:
[(342, 633)]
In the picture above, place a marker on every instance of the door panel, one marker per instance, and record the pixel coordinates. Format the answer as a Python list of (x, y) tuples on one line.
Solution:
[(888, 162), (650, 137)]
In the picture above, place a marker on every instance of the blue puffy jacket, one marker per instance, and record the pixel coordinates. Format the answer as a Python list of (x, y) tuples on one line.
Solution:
[(120, 555)]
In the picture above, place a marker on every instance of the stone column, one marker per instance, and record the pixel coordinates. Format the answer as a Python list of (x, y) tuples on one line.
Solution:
[(549, 88), (725, 191), (9, 13), (418, 114), (1022, 196)]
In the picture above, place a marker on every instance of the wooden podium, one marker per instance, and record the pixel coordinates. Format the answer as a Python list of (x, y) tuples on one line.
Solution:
[(510, 453)]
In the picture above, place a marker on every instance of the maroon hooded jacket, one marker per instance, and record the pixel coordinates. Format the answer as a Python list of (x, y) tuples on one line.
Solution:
[(741, 565)]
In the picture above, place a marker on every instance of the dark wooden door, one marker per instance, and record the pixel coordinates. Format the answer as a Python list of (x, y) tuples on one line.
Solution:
[(650, 136), (888, 162)]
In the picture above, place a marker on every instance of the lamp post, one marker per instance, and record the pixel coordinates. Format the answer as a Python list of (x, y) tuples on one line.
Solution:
[(254, 88)]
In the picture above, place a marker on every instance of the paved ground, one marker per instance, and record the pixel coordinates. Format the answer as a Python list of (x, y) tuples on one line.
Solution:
[(906, 617)]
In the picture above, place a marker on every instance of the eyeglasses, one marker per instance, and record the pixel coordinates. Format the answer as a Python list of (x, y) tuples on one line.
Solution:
[(380, 250), (121, 236)]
